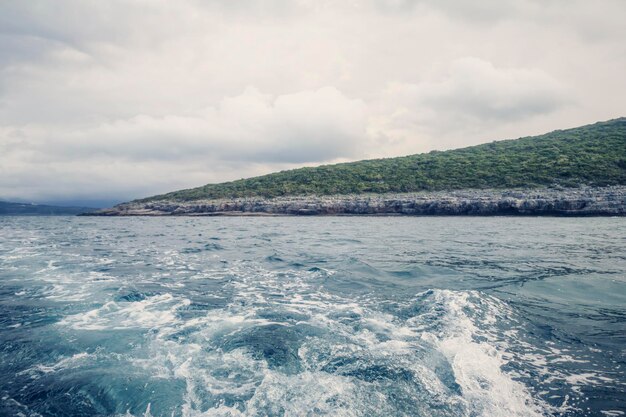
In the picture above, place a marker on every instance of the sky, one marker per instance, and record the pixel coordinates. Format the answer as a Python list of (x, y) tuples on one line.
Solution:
[(107, 101)]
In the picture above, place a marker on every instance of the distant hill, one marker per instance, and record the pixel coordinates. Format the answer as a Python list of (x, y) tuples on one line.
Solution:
[(26, 209), (593, 155)]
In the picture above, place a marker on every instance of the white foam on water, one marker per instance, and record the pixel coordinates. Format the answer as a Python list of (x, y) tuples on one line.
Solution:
[(477, 365), (612, 413), (49, 267), (264, 391), (154, 312), (71, 286), (146, 413), (543, 362), (210, 372), (307, 393), (370, 337), (70, 362), (357, 361), (577, 381)]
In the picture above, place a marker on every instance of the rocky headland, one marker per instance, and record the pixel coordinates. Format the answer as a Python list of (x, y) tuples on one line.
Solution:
[(582, 201), (573, 172)]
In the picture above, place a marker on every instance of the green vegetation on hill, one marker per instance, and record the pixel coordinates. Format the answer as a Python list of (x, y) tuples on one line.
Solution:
[(590, 155)]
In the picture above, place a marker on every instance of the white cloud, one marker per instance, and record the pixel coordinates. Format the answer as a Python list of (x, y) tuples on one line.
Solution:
[(160, 90), (472, 92), (144, 151), (307, 126)]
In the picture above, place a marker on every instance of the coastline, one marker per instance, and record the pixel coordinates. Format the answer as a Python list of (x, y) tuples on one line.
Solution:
[(582, 201)]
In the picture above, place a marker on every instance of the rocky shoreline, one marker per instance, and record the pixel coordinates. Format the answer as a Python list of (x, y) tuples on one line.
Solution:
[(583, 201)]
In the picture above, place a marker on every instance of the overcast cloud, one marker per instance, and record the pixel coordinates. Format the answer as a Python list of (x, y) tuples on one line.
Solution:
[(122, 99)]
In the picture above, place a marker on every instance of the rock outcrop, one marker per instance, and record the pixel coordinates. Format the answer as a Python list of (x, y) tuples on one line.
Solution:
[(584, 201)]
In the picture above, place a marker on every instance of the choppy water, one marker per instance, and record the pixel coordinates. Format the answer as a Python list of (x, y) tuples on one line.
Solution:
[(312, 316)]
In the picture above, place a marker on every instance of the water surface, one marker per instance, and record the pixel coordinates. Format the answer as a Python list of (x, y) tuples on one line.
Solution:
[(312, 316)]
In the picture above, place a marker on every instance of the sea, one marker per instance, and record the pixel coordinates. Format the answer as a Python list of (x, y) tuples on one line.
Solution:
[(313, 316)]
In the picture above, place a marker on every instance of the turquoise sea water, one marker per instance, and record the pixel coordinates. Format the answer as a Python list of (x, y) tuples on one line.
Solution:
[(336, 316)]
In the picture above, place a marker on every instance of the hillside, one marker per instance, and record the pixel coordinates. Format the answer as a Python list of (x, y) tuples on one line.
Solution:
[(27, 209), (594, 155)]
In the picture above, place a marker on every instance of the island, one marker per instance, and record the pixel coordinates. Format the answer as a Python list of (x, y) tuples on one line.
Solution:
[(8, 208), (573, 172)]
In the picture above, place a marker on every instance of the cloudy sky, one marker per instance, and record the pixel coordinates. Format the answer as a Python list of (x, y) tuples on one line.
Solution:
[(104, 101)]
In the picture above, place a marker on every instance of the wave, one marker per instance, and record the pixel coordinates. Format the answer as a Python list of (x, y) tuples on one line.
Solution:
[(284, 346)]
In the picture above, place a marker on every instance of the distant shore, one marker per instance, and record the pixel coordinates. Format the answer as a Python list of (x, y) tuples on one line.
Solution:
[(583, 201)]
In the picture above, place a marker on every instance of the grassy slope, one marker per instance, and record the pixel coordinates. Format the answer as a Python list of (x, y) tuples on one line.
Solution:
[(593, 155)]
